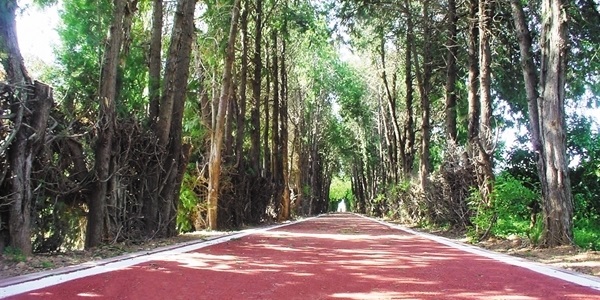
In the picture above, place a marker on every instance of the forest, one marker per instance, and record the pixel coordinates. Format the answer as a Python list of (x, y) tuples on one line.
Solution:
[(163, 117)]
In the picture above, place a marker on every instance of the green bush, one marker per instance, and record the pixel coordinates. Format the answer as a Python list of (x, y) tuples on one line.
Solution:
[(586, 233), (14, 254), (510, 210)]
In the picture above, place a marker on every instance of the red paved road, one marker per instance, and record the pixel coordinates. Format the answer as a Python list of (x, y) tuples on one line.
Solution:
[(330, 257)]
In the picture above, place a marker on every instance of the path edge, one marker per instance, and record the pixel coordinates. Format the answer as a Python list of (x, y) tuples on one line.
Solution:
[(25, 283), (589, 281)]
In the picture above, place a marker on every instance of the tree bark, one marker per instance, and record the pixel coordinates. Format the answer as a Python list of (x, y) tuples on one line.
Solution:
[(557, 197), (276, 158), (284, 213), (424, 83), (451, 73), (241, 119), (531, 79), (256, 91), (408, 148), (472, 81), (391, 104), (173, 98), (150, 206), (19, 178), (214, 165), (529, 74), (155, 62), (106, 126), (485, 141)]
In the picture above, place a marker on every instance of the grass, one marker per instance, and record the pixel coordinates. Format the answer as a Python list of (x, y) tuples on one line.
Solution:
[(587, 234), (14, 254)]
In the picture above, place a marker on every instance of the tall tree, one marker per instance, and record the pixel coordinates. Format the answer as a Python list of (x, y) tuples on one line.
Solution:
[(485, 140), (241, 121), (106, 126), (214, 165), (424, 72), (556, 187), (547, 115), (30, 104), (472, 81), (256, 90), (451, 71), (154, 61)]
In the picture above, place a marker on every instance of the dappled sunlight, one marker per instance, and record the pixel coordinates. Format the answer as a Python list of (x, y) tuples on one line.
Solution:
[(328, 260), (494, 296), (89, 295), (41, 294), (381, 295)]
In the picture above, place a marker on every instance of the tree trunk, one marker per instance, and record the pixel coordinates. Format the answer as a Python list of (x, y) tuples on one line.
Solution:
[(424, 83), (106, 126), (408, 147), (155, 63), (531, 79), (214, 164), (150, 206), (391, 104), (451, 73), (19, 152), (472, 82), (556, 193), (276, 157), (172, 100), (529, 74), (485, 173), (256, 91), (241, 119), (266, 167), (284, 213)]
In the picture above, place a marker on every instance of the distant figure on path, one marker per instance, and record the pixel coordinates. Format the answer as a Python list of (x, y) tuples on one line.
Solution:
[(342, 206)]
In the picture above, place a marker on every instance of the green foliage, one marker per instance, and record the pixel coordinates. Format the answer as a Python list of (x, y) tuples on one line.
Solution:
[(482, 218), (47, 265), (510, 215), (188, 197), (57, 226), (341, 189), (586, 233), (14, 254), (584, 148)]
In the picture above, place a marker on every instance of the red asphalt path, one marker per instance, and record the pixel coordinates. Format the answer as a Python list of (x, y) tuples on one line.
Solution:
[(339, 256)]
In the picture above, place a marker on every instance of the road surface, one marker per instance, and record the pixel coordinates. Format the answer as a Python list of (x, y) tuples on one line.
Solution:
[(336, 256)]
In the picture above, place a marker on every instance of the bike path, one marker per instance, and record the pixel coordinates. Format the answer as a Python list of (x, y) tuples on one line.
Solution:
[(337, 256)]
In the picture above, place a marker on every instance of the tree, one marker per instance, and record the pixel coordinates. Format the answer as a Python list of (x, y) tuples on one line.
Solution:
[(214, 167), (451, 72), (30, 104), (484, 141), (106, 127), (546, 115), (556, 187)]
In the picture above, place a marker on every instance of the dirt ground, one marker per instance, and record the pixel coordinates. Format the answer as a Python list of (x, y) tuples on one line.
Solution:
[(566, 257), (572, 258), (15, 265)]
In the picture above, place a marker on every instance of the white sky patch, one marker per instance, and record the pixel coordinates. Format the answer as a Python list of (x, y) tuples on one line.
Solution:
[(36, 31)]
